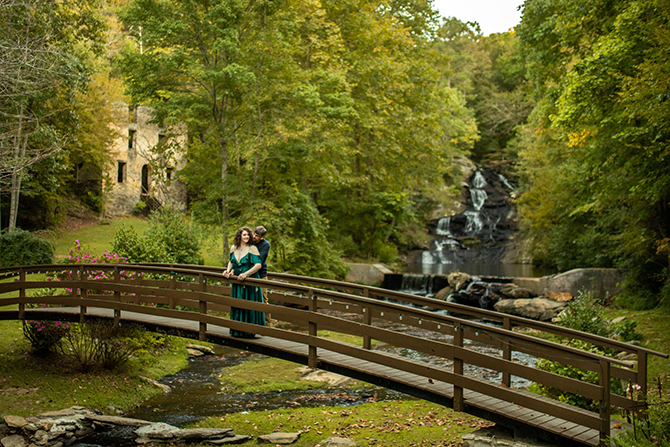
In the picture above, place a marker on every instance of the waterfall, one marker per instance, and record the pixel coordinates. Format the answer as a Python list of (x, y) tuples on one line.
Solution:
[(479, 181), (417, 284), (474, 223), (443, 226), (504, 181), (477, 235), (478, 197)]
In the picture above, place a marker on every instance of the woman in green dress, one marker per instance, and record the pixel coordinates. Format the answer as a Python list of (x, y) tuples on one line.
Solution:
[(245, 261)]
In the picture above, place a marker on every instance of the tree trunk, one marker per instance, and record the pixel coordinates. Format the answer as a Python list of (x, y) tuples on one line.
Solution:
[(253, 187), (224, 197), (20, 142)]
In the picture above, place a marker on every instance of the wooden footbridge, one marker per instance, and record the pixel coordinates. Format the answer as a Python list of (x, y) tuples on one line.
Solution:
[(193, 301)]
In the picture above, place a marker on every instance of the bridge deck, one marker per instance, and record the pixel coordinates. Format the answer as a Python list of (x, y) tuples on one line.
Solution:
[(526, 422)]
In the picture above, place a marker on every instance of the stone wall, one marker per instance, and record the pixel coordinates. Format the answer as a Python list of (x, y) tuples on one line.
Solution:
[(368, 274), (132, 155)]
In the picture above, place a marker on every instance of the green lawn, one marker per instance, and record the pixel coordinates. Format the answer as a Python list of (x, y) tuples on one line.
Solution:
[(98, 238)]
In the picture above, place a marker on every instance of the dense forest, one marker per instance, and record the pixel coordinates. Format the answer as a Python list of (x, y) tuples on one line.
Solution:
[(339, 124)]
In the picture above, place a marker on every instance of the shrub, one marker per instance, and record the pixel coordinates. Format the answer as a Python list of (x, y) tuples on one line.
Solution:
[(169, 239), (44, 336), (20, 247), (585, 314), (652, 432), (100, 345), (574, 373)]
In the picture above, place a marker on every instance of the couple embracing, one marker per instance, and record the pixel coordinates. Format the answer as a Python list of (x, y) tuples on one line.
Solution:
[(248, 258)]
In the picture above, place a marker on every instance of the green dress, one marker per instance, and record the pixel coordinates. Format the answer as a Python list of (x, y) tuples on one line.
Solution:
[(244, 292)]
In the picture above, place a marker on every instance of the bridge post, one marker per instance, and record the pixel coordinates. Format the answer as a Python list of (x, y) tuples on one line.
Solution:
[(203, 309), (22, 294), (642, 382), (117, 296), (173, 286), (506, 352), (83, 293), (458, 369), (367, 320), (605, 407), (312, 359)]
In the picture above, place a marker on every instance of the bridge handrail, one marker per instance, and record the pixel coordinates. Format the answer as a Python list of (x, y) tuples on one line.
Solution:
[(402, 309), (444, 305)]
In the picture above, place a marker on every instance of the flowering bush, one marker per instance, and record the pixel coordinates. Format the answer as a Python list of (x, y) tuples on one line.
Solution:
[(44, 336), (78, 255)]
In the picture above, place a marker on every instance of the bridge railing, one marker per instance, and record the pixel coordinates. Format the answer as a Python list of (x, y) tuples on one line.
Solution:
[(639, 355), (200, 294)]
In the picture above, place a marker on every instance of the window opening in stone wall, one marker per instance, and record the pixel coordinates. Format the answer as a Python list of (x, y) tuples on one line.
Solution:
[(145, 179), (78, 170), (131, 138), (121, 174), (168, 173)]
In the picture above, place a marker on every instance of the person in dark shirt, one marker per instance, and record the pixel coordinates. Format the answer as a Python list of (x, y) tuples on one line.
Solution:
[(263, 248)]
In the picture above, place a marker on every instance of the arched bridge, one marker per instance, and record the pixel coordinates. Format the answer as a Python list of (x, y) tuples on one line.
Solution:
[(192, 301)]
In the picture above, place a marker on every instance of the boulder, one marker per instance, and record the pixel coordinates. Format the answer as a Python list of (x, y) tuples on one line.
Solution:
[(444, 293), (458, 280), (13, 441), (237, 439), (16, 421), (336, 441), (559, 296), (201, 348), (194, 352), (514, 291), (541, 309), (279, 438), (117, 420), (156, 431)]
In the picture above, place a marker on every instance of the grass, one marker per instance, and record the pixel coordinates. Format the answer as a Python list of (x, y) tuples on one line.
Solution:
[(30, 385), (396, 423), (655, 327), (97, 238)]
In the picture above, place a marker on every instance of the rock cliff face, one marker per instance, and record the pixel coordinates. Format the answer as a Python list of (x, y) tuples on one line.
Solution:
[(481, 231)]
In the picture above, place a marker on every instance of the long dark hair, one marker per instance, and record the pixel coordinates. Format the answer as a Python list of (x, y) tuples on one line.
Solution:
[(237, 240)]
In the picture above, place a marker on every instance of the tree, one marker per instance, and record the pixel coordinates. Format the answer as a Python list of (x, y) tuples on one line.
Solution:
[(42, 49), (229, 72), (603, 118)]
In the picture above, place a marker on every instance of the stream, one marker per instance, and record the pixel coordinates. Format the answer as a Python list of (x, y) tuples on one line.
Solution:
[(198, 394)]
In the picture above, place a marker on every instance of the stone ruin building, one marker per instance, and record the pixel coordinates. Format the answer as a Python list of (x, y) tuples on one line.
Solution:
[(135, 177)]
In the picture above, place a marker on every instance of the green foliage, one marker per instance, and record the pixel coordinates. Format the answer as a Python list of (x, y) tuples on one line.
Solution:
[(20, 247), (298, 235), (655, 430), (574, 373), (595, 156), (102, 345), (339, 100), (44, 336), (170, 238), (587, 315)]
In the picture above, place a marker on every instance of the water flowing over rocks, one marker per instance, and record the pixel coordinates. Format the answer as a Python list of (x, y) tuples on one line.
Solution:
[(480, 232)]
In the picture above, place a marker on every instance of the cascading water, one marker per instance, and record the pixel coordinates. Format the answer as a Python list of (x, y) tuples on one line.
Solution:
[(475, 240)]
